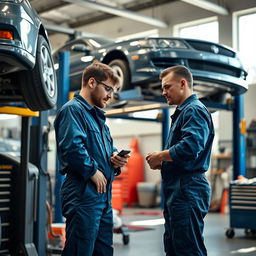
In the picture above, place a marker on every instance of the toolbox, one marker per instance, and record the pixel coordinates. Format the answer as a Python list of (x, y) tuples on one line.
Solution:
[(242, 205)]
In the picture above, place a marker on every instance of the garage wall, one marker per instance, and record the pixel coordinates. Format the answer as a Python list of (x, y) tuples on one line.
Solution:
[(250, 104), (10, 127)]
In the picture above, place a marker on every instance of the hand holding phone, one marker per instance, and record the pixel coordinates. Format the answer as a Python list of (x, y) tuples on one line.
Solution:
[(120, 163), (124, 152)]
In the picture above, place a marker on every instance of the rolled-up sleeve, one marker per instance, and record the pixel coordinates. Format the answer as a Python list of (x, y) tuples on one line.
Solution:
[(195, 131), (71, 136)]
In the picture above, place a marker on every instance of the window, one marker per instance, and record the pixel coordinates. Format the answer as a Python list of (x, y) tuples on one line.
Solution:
[(205, 29), (246, 40)]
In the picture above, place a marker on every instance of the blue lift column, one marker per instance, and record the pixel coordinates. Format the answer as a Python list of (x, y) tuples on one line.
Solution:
[(165, 125), (63, 92), (165, 132), (239, 131)]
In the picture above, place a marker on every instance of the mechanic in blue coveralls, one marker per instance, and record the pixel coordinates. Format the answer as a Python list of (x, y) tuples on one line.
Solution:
[(183, 164), (89, 160)]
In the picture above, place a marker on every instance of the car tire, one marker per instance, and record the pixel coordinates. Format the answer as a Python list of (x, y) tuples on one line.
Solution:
[(122, 70), (39, 87), (230, 233)]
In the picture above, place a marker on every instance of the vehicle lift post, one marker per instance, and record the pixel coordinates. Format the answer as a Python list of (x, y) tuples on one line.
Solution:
[(165, 132), (23, 236), (63, 92), (165, 125), (23, 216), (239, 131), (38, 157)]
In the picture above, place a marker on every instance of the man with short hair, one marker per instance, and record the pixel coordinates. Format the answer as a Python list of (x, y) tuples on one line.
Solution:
[(89, 160), (183, 164)]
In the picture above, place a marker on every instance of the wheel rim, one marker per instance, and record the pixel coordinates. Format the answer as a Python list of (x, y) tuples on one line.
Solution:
[(119, 72), (48, 71)]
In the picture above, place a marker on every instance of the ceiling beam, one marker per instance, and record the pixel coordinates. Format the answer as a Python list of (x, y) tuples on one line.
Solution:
[(48, 7), (85, 20), (209, 6), (119, 12), (73, 33)]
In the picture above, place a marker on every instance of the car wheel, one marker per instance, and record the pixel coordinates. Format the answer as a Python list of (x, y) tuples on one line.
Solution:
[(39, 88), (126, 239), (230, 233), (122, 70)]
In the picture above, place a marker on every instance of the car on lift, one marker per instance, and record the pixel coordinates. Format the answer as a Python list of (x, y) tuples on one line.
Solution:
[(216, 68), (26, 66), (10, 146)]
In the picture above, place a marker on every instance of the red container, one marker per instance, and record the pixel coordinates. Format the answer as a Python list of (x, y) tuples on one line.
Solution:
[(133, 173)]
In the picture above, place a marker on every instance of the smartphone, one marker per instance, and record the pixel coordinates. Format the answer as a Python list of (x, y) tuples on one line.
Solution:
[(124, 152)]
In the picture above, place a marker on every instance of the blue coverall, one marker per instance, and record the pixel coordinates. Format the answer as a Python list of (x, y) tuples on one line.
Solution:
[(84, 145), (186, 190)]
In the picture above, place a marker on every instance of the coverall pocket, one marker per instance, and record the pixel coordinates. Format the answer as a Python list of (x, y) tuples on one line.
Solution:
[(196, 190), (71, 191), (90, 194), (93, 142), (108, 144), (86, 227), (181, 226)]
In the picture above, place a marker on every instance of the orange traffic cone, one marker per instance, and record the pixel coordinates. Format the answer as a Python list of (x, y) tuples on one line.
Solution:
[(224, 201)]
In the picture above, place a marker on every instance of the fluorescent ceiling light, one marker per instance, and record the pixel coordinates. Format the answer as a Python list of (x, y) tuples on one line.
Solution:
[(119, 12), (209, 6)]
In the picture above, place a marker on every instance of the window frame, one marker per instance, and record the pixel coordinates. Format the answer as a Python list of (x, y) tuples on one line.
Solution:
[(177, 28), (235, 25)]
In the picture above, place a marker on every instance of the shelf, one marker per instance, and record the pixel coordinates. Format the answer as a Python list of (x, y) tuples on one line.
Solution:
[(251, 130), (218, 171), (252, 148), (251, 168), (222, 156)]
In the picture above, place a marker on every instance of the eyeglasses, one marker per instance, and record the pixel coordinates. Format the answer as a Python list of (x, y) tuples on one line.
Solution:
[(108, 88)]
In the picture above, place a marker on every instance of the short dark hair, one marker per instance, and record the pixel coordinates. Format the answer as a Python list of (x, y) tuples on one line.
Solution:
[(181, 71), (101, 72)]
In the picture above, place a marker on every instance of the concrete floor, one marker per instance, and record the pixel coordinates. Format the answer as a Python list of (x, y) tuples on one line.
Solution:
[(149, 243)]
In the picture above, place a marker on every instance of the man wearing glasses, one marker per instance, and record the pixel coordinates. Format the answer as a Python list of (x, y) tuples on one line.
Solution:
[(89, 160)]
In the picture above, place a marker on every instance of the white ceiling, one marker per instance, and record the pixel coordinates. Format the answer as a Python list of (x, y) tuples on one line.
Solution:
[(59, 12), (78, 13)]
